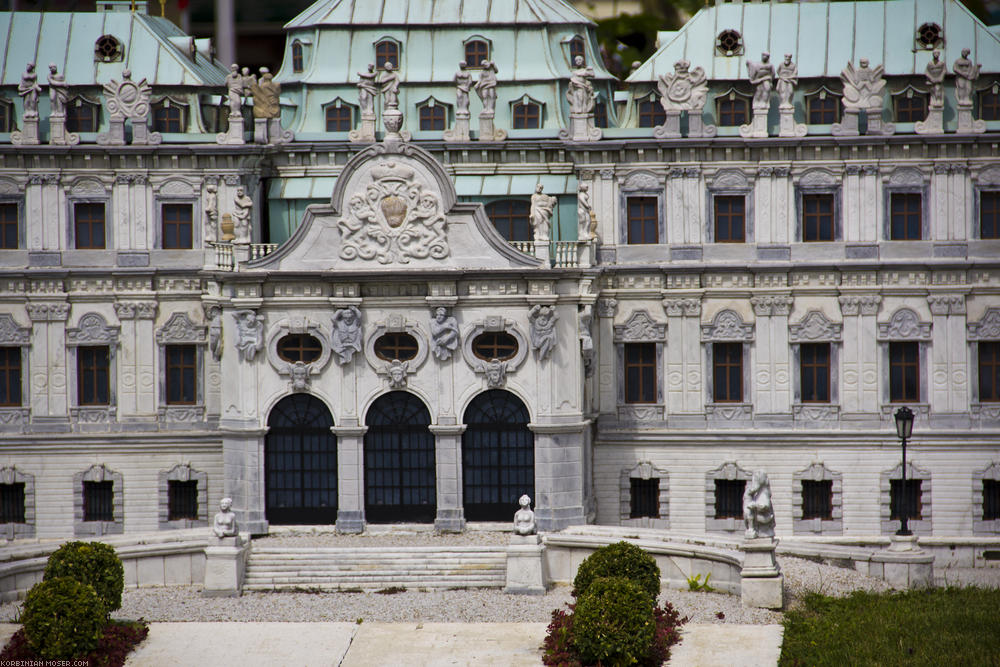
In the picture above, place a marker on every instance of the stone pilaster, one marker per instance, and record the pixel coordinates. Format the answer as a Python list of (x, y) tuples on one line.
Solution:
[(137, 361), (608, 396), (448, 461), (350, 478), (773, 387), (47, 361), (559, 473), (685, 395), (859, 393), (949, 373), (243, 472)]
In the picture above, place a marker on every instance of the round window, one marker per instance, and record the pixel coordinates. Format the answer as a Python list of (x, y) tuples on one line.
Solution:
[(108, 48), (396, 345), (299, 347), (929, 35), (494, 345), (729, 42)]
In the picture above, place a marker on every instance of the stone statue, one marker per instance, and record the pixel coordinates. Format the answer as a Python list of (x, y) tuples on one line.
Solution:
[(346, 337), (266, 95), (788, 78), (966, 73), (444, 333), (586, 340), (496, 373), (586, 220), (543, 329), (242, 209), (542, 206), (397, 371), (463, 84), (935, 73), (486, 87), (580, 93), (762, 78), (863, 86), (234, 90), (367, 91), (300, 375), (225, 520), (389, 87), (685, 89), (758, 513), (524, 518), (29, 90), (58, 92), (211, 212), (249, 334), (215, 334)]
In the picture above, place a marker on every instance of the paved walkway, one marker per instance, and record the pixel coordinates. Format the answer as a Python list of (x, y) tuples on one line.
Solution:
[(409, 645)]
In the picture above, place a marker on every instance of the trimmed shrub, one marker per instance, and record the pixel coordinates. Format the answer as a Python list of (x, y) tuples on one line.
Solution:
[(63, 618), (619, 560), (614, 623), (93, 563)]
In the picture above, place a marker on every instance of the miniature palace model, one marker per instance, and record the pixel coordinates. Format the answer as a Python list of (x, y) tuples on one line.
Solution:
[(441, 259)]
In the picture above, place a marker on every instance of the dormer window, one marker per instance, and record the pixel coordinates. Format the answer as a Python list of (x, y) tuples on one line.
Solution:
[(823, 108), (107, 49), (386, 51), (339, 116), (433, 116), (169, 116), (989, 104), (576, 50), (526, 115), (651, 112), (297, 60), (6, 116), (732, 109), (600, 113), (477, 51), (82, 116), (911, 107)]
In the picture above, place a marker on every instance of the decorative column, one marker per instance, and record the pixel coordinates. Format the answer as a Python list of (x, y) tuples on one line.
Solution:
[(448, 462), (608, 397), (773, 392), (685, 395), (559, 470), (47, 361), (136, 358), (351, 478), (949, 376), (859, 394)]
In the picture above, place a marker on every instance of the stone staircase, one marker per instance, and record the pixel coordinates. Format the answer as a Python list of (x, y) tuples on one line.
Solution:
[(375, 568)]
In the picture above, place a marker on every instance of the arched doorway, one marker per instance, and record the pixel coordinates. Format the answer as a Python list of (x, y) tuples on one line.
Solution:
[(399, 461), (300, 462), (498, 456)]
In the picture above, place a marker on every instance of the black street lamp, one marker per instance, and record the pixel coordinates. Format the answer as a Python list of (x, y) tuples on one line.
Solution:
[(904, 429)]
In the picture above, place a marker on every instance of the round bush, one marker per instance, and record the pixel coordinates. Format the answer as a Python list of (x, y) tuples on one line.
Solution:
[(619, 560), (614, 623), (63, 618), (93, 563)]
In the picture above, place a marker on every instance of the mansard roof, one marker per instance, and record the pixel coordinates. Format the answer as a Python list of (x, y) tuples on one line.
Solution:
[(824, 36), (436, 12)]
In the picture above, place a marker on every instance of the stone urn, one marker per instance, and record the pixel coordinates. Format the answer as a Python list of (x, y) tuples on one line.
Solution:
[(227, 228)]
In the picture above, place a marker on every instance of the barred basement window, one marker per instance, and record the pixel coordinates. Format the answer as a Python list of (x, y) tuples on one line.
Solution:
[(182, 500), (299, 347), (8, 226), (817, 499), (911, 498), (644, 498), (991, 499), (989, 371), (12, 503), (396, 345), (98, 498), (498, 345), (729, 498), (10, 376), (989, 214)]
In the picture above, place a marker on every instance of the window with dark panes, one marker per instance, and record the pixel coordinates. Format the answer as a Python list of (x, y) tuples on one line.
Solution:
[(640, 372), (511, 219), (817, 499), (600, 114), (296, 56), (12, 503), (339, 119), (396, 345), (527, 116), (81, 116), (989, 105), (10, 376), (168, 117), (182, 500), (6, 117), (644, 498), (432, 117), (498, 345), (642, 220), (814, 372), (386, 52), (989, 371), (651, 113), (98, 501), (730, 218), (727, 372), (989, 214), (476, 53), (729, 498), (177, 226), (823, 109), (8, 226), (911, 109), (88, 226), (299, 347), (181, 374), (991, 499), (904, 372), (576, 50), (908, 498), (817, 217), (732, 111), (93, 375), (905, 216)]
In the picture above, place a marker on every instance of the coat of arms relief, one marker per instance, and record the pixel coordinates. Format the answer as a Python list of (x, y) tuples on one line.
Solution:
[(396, 219)]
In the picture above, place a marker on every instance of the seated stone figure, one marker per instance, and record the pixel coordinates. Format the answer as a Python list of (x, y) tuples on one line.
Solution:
[(225, 520), (758, 513), (524, 518)]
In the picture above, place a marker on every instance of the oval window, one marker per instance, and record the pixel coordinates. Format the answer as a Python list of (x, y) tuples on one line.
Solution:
[(299, 347), (396, 345), (494, 345)]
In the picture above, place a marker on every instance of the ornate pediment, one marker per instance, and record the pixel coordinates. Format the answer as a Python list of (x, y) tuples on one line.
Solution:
[(987, 328), (814, 327), (640, 327), (727, 326), (93, 330), (904, 325), (180, 329), (11, 333)]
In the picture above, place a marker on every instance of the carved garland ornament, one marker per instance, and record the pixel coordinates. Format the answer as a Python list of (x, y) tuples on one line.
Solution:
[(395, 220)]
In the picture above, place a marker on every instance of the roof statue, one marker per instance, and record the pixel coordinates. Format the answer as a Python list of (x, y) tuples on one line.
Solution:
[(58, 98), (368, 90), (486, 88), (463, 84), (864, 88), (542, 206), (29, 90), (966, 73), (762, 79), (581, 99), (934, 74), (266, 108), (392, 117), (788, 78), (128, 100), (684, 89), (235, 89)]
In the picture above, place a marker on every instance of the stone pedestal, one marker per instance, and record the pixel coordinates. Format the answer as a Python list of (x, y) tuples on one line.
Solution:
[(848, 125), (450, 517), (351, 482), (697, 127), (671, 128), (761, 580), (542, 250), (241, 253), (904, 565), (58, 136), (486, 130), (461, 129), (788, 126), (28, 135), (234, 136), (581, 128), (276, 134), (225, 566), (366, 133), (875, 124), (757, 127), (933, 124), (966, 123), (260, 130), (115, 136), (525, 566), (141, 136)]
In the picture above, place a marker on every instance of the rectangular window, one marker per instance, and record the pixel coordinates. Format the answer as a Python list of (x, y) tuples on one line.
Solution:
[(904, 216), (989, 105), (10, 376), (98, 501), (177, 226), (88, 225), (339, 119), (814, 372), (168, 118), (989, 371), (81, 116), (729, 498), (92, 372), (727, 372), (817, 499), (733, 112), (181, 373), (643, 221), (8, 226), (644, 498), (182, 500), (640, 372), (730, 218), (991, 499), (12, 503), (911, 109), (904, 372), (6, 116), (651, 113), (432, 117), (600, 114), (527, 116), (911, 498), (989, 214), (817, 217), (824, 109)]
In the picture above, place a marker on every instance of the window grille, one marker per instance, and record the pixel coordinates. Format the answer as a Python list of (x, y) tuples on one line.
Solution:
[(98, 499), (644, 495), (817, 499), (729, 498), (498, 345), (396, 345), (12, 503), (911, 499), (182, 500)]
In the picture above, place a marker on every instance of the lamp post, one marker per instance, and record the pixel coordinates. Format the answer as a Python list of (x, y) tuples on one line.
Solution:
[(904, 429)]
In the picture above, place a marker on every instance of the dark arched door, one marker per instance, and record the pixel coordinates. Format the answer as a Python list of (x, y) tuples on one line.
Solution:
[(300, 462), (498, 456), (399, 461)]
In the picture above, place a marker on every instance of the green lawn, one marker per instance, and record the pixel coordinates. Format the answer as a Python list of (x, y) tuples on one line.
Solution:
[(940, 627)]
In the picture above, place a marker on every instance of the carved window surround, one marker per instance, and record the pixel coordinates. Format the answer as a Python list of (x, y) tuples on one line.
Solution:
[(727, 327), (987, 180), (182, 472), (727, 471), (644, 470), (906, 180), (904, 325), (93, 331), (14, 335), (298, 325), (398, 324), (89, 191), (493, 323), (980, 526), (922, 526), (13, 531), (641, 184), (814, 327), (98, 473), (835, 526), (12, 192), (819, 182), (640, 327), (178, 191), (987, 329), (729, 182), (180, 330)]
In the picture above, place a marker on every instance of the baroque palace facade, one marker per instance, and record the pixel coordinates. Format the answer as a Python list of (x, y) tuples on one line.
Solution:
[(405, 289)]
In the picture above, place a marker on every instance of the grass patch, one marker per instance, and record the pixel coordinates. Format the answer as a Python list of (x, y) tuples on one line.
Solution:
[(120, 638), (938, 626)]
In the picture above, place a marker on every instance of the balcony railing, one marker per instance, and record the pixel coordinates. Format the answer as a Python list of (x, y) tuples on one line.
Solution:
[(225, 257)]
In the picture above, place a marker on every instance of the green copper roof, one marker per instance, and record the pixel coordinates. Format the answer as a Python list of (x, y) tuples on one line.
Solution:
[(436, 12)]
